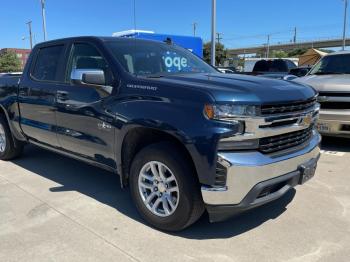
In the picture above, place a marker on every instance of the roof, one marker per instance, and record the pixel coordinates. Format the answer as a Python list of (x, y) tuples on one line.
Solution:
[(100, 38)]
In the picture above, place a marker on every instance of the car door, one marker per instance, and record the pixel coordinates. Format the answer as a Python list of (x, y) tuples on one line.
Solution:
[(37, 95), (85, 128)]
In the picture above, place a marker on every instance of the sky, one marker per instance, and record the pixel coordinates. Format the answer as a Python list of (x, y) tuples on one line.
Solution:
[(242, 23)]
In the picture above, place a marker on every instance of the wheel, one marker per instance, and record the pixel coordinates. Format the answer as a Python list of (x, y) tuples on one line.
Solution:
[(164, 188), (9, 149)]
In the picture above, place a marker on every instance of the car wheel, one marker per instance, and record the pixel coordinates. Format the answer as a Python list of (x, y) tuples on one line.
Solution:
[(164, 187), (8, 148)]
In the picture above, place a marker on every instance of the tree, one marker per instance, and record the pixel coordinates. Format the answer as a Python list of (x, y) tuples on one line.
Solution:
[(279, 54), (297, 52), (220, 53), (9, 62)]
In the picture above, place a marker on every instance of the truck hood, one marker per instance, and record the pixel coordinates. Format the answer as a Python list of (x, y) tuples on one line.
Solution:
[(326, 83), (242, 88)]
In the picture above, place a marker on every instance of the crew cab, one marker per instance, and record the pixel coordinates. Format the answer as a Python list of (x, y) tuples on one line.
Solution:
[(331, 78), (184, 137)]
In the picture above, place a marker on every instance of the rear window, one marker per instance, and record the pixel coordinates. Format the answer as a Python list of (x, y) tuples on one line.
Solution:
[(46, 65), (278, 65)]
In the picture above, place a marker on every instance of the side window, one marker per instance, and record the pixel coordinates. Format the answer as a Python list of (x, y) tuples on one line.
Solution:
[(86, 56), (46, 64), (291, 65)]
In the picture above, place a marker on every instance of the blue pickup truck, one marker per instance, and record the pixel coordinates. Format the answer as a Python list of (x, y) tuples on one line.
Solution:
[(182, 136)]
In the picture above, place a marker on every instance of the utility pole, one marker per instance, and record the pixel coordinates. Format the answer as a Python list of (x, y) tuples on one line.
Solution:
[(29, 23), (345, 24), (268, 46), (218, 37), (44, 18), (295, 35), (194, 28), (213, 31)]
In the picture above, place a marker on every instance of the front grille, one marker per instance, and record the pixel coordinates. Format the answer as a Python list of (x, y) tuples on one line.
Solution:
[(335, 105), (334, 94), (221, 174), (287, 108), (277, 143)]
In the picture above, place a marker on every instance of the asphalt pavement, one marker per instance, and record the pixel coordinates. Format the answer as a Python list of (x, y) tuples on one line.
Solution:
[(53, 208)]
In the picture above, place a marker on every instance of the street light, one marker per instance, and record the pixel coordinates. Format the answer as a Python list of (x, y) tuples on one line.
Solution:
[(345, 18), (213, 32), (44, 18)]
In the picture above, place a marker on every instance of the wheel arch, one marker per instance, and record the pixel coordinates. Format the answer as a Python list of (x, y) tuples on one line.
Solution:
[(14, 133), (138, 138)]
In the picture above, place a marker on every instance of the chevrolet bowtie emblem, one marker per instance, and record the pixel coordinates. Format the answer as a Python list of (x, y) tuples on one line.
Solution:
[(306, 121)]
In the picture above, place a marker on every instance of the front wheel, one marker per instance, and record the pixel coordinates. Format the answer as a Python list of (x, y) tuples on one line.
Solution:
[(164, 188)]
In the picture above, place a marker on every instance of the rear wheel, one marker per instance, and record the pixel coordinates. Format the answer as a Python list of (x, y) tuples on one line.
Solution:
[(9, 147), (164, 188)]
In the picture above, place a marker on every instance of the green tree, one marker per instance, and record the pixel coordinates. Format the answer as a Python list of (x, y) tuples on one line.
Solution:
[(9, 62), (220, 53), (297, 52), (279, 54)]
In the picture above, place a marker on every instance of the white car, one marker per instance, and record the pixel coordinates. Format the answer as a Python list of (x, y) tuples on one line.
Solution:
[(331, 78)]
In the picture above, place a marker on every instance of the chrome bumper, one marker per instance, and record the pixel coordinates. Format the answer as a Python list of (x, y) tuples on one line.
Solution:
[(247, 169), (334, 120)]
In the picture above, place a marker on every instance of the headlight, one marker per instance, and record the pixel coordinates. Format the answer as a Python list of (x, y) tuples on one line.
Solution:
[(227, 112)]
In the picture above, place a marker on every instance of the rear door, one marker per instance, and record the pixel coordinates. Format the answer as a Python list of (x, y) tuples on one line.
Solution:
[(85, 128), (37, 94)]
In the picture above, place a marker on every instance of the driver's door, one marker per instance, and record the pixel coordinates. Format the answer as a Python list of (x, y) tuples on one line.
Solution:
[(83, 126)]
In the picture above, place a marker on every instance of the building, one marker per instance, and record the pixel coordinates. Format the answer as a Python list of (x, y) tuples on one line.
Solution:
[(192, 43), (22, 54)]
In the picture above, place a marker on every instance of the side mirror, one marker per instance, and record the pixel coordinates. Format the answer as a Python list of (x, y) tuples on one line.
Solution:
[(88, 76), (92, 77)]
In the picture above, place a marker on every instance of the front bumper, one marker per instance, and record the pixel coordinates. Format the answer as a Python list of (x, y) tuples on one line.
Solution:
[(250, 173), (334, 122)]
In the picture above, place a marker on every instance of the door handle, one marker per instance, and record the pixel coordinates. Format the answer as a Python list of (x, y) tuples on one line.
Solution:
[(62, 96)]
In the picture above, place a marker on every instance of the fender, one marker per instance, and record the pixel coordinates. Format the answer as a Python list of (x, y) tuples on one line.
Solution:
[(175, 119), (15, 131)]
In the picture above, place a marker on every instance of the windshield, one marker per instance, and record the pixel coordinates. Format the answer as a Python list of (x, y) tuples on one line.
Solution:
[(333, 64), (152, 59)]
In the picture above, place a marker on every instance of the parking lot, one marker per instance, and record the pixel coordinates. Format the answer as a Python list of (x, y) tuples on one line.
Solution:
[(56, 209)]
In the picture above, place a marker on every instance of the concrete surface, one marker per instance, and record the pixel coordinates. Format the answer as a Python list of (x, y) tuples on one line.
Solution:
[(56, 209)]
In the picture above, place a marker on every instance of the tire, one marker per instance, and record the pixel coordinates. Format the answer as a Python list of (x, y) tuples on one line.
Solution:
[(184, 204), (9, 147)]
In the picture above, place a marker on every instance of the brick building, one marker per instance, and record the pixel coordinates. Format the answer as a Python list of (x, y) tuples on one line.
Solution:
[(22, 54)]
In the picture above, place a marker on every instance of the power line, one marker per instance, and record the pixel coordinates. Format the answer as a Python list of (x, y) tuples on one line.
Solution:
[(263, 35), (29, 23), (218, 37), (194, 28)]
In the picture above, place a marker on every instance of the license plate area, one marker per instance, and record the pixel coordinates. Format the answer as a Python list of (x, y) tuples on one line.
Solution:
[(323, 127), (307, 171)]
